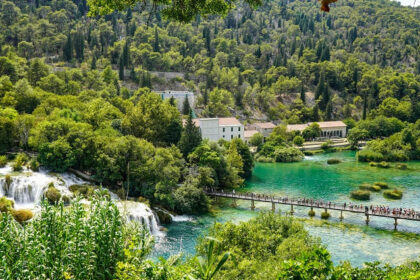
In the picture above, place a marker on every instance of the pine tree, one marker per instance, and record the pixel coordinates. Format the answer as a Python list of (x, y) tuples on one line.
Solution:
[(315, 113), (125, 54), (365, 97), (329, 111), (325, 97), (173, 132), (93, 63), (190, 137), (156, 47), (186, 106), (68, 49), (300, 51), (320, 87), (325, 55), (302, 94), (172, 101), (121, 68)]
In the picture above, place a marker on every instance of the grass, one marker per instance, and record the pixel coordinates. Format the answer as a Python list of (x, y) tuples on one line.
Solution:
[(360, 195), (393, 194)]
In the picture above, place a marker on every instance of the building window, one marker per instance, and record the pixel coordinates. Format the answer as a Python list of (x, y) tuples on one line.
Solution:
[(239, 136), (231, 136), (239, 128), (223, 136), (223, 129), (231, 129)]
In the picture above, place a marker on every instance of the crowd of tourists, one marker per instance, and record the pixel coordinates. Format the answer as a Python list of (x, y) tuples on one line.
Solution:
[(378, 209)]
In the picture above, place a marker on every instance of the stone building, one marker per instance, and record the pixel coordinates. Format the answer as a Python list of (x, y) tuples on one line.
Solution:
[(331, 129)]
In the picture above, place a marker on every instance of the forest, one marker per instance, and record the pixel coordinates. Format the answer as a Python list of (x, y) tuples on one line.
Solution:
[(77, 93)]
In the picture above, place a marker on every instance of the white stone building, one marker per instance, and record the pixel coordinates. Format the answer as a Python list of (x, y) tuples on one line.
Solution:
[(332, 129), (220, 128), (179, 97)]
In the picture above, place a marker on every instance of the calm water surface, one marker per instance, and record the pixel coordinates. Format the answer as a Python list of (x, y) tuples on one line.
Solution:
[(314, 178)]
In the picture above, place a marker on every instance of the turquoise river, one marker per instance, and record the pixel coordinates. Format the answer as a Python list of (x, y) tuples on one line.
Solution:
[(350, 240)]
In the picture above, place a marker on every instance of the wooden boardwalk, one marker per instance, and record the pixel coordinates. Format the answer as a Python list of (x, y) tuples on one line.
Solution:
[(311, 203)]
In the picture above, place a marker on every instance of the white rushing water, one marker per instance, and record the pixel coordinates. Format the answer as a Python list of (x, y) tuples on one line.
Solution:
[(26, 189)]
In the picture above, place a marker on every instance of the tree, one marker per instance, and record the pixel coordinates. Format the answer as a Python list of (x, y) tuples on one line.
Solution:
[(68, 49), (302, 94), (37, 70), (186, 108), (355, 135), (298, 140), (121, 68), (190, 137), (315, 113), (156, 47), (312, 131), (256, 140)]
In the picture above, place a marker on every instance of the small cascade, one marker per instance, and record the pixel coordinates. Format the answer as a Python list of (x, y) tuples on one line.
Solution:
[(140, 212), (26, 188)]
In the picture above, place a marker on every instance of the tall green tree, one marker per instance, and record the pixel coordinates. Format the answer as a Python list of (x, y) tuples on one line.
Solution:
[(190, 137)]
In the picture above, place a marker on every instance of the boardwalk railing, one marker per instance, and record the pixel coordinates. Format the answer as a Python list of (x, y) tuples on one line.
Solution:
[(384, 211)]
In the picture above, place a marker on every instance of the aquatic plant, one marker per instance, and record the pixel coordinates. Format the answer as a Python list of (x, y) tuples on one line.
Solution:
[(373, 164), (333, 161), (360, 194), (382, 185), (401, 166), (325, 215), (369, 187), (393, 194), (311, 213)]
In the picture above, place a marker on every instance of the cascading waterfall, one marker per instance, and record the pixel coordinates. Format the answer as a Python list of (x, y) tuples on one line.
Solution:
[(27, 187)]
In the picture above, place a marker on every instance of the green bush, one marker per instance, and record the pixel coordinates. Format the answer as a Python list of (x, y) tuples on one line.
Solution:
[(393, 194), (369, 187), (325, 215), (20, 160), (326, 145), (22, 215), (311, 213), (333, 161), (289, 154), (367, 155), (265, 159), (34, 164), (298, 140), (313, 152), (3, 161), (401, 166), (6, 204), (84, 190), (384, 164), (360, 194), (52, 194), (382, 185), (373, 164)]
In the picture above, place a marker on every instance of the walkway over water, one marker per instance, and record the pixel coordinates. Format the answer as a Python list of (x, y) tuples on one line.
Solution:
[(385, 211)]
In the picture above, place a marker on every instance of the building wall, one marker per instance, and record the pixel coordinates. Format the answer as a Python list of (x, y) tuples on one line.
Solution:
[(333, 132), (229, 132), (209, 129)]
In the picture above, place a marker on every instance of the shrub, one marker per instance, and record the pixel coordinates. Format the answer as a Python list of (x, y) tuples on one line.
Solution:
[(52, 194), (384, 164), (311, 213), (289, 154), (3, 161), (264, 159), (84, 190), (369, 187), (360, 195), (313, 152), (6, 204), (393, 194), (326, 145), (34, 164), (401, 166), (325, 215), (20, 160), (382, 185), (367, 155), (298, 140), (22, 215), (333, 161)]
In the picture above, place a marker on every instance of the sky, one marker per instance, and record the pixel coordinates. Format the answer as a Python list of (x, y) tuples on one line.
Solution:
[(409, 2)]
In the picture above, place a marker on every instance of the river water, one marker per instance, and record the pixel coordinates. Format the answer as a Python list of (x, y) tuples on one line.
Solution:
[(350, 240)]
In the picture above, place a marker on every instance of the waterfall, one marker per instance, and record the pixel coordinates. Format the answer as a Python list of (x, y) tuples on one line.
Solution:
[(140, 212)]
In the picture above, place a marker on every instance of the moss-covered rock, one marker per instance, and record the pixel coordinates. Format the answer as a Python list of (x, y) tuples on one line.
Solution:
[(333, 161), (382, 185), (22, 215), (121, 193), (360, 194), (164, 216), (34, 165), (369, 187), (52, 194), (84, 190), (8, 180), (6, 204), (373, 164), (393, 194)]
